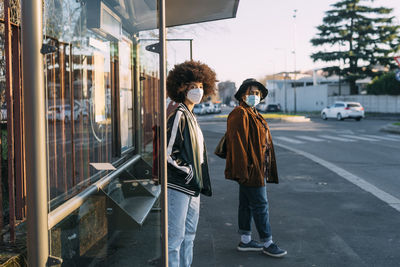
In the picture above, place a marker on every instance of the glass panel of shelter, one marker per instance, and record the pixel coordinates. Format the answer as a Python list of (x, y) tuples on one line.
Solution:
[(95, 113)]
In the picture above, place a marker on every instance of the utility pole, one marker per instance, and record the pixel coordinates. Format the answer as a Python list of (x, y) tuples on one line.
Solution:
[(340, 69), (294, 54)]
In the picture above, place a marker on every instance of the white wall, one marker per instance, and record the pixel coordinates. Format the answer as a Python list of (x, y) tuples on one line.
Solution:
[(310, 98), (372, 103), (315, 98)]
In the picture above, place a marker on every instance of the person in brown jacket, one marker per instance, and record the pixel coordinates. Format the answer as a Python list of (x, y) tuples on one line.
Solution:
[(250, 161)]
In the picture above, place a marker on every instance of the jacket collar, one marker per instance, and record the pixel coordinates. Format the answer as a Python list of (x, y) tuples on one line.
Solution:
[(185, 108), (248, 108)]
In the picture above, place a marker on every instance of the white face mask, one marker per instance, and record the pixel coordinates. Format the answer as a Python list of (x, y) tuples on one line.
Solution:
[(195, 95), (252, 100)]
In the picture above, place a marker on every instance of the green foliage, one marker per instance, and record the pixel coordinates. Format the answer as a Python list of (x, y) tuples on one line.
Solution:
[(385, 84), (360, 36)]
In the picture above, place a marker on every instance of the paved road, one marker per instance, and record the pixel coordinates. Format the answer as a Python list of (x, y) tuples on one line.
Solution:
[(319, 217), (357, 147)]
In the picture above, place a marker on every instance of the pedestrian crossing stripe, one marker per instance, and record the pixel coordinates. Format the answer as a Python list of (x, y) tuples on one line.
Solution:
[(341, 138), (290, 140), (394, 136), (336, 138), (380, 137), (309, 138), (359, 137)]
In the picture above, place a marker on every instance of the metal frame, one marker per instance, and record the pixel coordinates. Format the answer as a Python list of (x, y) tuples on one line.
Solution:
[(10, 119), (163, 134), (39, 221), (69, 206), (35, 141)]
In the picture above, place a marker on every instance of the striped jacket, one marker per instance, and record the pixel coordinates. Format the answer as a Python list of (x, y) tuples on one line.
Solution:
[(186, 154)]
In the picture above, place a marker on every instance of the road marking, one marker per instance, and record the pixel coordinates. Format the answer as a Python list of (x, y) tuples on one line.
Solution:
[(381, 137), (287, 139), (359, 137), (361, 183), (309, 138), (336, 138), (393, 136)]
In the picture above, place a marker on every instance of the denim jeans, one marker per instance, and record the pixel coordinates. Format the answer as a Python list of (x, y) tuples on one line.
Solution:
[(253, 203), (183, 216)]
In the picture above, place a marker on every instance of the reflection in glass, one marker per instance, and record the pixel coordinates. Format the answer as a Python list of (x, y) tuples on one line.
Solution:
[(125, 91), (91, 118)]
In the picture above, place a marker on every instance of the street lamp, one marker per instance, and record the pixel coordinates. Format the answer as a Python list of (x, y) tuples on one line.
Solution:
[(294, 54)]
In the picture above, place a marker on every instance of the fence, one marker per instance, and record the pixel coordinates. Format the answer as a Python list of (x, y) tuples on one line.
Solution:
[(12, 174)]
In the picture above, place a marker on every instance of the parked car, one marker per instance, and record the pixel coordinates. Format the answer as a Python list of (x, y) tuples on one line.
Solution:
[(217, 108), (343, 110), (3, 113), (199, 109), (264, 107), (273, 108), (63, 113), (209, 107)]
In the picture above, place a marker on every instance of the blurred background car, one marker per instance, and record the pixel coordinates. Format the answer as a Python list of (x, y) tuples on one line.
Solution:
[(3, 112), (264, 107), (209, 107), (199, 109), (217, 108), (343, 110), (63, 112)]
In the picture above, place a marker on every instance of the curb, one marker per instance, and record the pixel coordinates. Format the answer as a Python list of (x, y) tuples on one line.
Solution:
[(283, 118), (295, 119), (390, 128)]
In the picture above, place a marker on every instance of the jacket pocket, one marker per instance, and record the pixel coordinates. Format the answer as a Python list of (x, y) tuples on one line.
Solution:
[(189, 177), (250, 171)]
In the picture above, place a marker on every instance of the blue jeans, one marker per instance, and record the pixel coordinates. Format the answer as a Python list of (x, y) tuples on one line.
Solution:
[(183, 216), (253, 203)]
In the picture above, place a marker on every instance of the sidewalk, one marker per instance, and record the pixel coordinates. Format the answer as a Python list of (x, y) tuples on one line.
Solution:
[(320, 218)]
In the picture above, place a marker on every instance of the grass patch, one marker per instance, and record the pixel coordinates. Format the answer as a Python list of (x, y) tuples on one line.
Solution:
[(396, 123), (267, 116)]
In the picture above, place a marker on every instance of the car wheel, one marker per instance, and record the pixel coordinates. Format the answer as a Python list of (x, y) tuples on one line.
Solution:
[(358, 119), (324, 117), (339, 117)]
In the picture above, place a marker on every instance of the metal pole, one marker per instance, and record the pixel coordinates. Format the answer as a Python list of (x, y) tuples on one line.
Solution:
[(163, 135), (10, 120), (191, 49), (294, 53), (35, 141)]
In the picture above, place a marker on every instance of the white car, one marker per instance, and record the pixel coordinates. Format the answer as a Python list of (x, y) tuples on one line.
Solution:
[(199, 109), (343, 110), (209, 107), (3, 113), (63, 113)]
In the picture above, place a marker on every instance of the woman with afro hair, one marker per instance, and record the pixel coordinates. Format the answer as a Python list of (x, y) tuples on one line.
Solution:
[(187, 84)]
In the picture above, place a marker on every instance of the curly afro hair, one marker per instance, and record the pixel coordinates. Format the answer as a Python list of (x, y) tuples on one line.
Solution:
[(188, 72)]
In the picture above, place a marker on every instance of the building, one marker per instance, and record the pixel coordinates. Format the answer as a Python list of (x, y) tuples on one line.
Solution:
[(306, 91), (226, 91)]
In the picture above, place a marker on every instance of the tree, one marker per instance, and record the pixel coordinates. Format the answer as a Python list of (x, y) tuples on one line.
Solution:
[(364, 38), (384, 85)]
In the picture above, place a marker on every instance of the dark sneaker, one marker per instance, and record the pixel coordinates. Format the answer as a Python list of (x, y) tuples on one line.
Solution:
[(251, 246), (274, 251)]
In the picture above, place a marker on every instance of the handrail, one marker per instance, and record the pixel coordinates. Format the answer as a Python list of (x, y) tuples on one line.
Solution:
[(72, 204)]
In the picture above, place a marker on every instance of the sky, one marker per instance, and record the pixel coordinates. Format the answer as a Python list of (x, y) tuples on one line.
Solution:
[(260, 38)]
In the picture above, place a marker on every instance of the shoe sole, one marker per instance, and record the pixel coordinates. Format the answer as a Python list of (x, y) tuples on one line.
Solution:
[(249, 249), (275, 255)]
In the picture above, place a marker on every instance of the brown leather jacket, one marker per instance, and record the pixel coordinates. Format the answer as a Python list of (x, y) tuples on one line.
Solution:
[(246, 146)]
